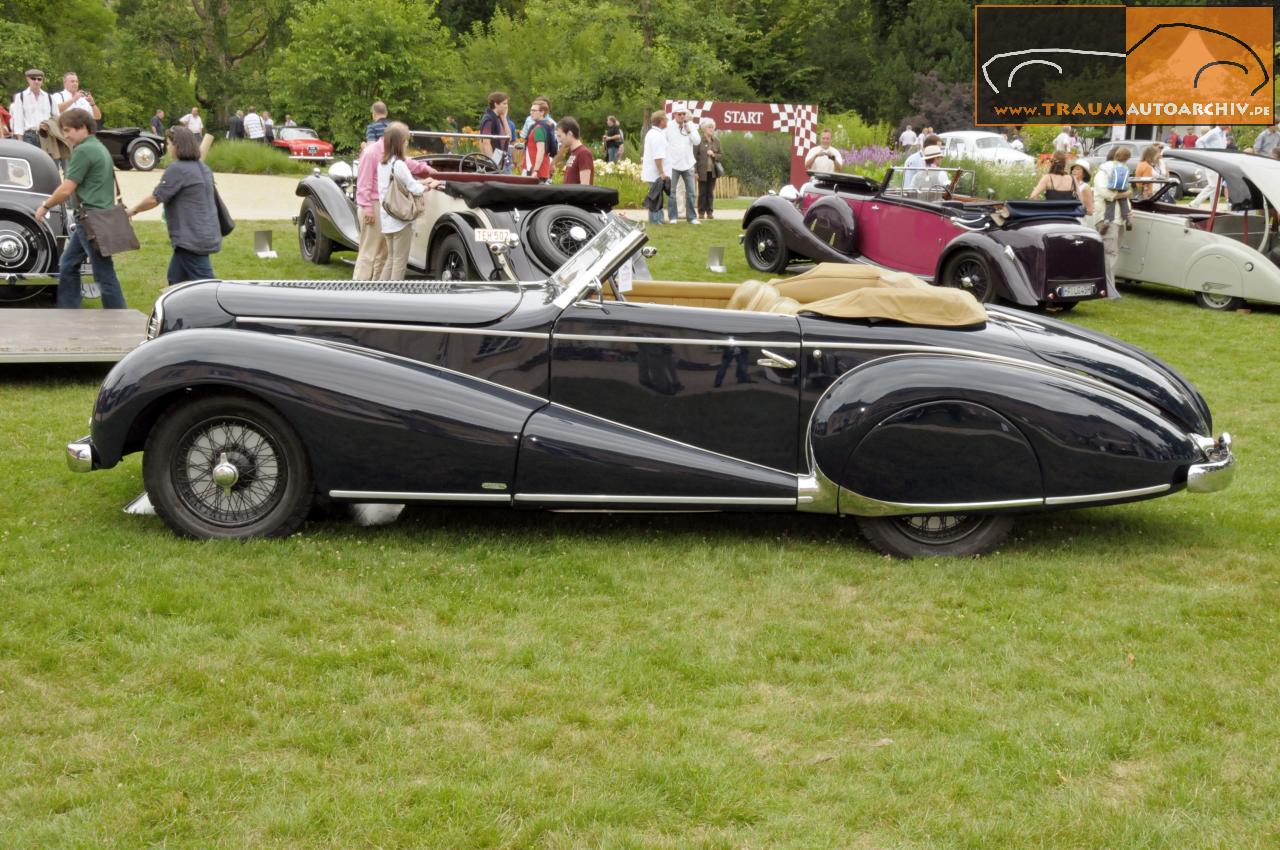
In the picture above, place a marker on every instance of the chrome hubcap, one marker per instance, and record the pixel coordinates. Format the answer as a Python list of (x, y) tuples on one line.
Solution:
[(10, 248), (144, 157), (225, 474)]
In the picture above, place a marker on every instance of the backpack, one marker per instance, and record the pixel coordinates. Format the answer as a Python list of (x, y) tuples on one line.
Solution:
[(553, 144)]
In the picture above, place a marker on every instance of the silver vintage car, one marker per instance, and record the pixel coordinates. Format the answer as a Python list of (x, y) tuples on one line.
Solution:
[(1227, 252)]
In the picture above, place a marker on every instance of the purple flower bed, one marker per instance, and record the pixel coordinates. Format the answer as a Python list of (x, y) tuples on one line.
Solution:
[(870, 156)]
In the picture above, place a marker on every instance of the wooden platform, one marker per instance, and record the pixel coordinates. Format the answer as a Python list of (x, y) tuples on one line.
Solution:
[(69, 336)]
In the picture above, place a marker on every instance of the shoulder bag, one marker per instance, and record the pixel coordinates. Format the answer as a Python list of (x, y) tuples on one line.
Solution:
[(226, 223), (109, 229), (399, 202)]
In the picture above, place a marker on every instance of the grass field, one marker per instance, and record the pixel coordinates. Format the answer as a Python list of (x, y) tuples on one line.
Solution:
[(479, 678)]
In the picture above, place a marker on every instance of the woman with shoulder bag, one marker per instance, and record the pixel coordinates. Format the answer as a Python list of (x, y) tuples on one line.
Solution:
[(190, 209), (708, 168), (400, 199)]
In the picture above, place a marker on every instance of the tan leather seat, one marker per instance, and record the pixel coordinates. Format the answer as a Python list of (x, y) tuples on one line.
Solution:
[(764, 299), (786, 306), (744, 293)]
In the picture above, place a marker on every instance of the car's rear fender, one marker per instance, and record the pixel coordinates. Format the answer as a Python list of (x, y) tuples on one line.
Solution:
[(478, 253), (1011, 280), (335, 212), (370, 421), (965, 431)]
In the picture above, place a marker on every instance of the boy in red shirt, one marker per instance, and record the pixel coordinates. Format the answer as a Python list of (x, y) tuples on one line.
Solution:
[(537, 161), (579, 166)]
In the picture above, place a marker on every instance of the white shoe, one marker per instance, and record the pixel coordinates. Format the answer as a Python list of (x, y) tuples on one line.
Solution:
[(694, 221)]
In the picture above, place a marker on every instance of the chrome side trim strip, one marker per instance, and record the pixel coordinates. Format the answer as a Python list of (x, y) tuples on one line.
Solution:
[(389, 326), (1102, 497), (859, 505), (585, 499), (671, 340), (385, 495)]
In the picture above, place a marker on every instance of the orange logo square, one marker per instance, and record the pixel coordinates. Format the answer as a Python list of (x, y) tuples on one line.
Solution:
[(1199, 65)]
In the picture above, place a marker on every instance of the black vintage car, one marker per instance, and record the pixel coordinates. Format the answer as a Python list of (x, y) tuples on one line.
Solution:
[(928, 417), (133, 147), (1028, 253), (29, 249), (542, 225)]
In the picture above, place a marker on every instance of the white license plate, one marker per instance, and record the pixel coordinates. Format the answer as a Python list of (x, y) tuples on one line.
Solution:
[(1075, 290), (493, 235)]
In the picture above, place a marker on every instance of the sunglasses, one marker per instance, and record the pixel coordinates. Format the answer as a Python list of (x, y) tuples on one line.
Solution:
[(35, 78)]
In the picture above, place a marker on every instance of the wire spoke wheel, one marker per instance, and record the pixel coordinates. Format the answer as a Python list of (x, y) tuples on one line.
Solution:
[(766, 250), (970, 274), (259, 475), (562, 234), (939, 529)]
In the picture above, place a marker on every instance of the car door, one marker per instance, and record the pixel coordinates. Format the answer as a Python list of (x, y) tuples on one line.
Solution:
[(903, 235), (652, 400)]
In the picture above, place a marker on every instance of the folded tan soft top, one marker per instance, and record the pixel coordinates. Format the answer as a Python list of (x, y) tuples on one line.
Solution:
[(933, 305)]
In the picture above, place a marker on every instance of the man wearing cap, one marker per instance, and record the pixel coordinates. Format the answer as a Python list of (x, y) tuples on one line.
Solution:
[(31, 107), (916, 160), (931, 176), (682, 138)]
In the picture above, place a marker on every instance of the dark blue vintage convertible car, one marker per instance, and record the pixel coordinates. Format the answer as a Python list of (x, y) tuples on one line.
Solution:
[(930, 418)]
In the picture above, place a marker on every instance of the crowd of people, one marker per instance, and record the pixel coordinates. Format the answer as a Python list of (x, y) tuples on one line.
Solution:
[(677, 151)]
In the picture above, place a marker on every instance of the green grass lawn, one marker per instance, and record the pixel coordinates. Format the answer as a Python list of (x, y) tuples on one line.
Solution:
[(482, 678)]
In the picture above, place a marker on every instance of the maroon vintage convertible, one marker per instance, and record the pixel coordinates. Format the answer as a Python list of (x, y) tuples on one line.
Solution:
[(1027, 253)]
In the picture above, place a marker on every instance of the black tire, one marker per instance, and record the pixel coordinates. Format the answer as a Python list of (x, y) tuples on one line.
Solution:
[(970, 271), (1220, 303), (953, 536), (272, 491), (26, 296), (765, 246), (143, 157), (449, 259), (314, 246), (552, 237), (1175, 194)]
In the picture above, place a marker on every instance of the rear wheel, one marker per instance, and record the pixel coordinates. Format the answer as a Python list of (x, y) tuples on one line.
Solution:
[(449, 259), (558, 232), (24, 249), (969, 271), (227, 467), (947, 536), (1221, 303), (314, 245), (765, 246), (143, 157)]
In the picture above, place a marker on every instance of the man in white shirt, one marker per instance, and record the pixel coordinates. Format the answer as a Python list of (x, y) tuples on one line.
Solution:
[(908, 138), (1215, 139), (254, 129), (824, 157), (1064, 141), (653, 165), (73, 97), (31, 107), (682, 138), (932, 176), (916, 160), (193, 122)]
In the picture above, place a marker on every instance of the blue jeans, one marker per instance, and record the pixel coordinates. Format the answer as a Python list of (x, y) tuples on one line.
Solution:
[(655, 216), (104, 274), (690, 207), (187, 266)]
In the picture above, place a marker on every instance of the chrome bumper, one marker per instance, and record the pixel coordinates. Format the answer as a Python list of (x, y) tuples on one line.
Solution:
[(80, 455), (1217, 470)]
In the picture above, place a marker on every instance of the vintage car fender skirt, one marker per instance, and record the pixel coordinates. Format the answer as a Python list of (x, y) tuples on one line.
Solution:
[(227, 467), (831, 221)]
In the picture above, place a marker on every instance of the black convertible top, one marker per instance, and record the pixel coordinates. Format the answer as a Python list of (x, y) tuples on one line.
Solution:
[(507, 195)]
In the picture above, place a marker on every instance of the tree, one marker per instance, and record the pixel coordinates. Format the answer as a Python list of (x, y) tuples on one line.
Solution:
[(21, 47), (344, 56)]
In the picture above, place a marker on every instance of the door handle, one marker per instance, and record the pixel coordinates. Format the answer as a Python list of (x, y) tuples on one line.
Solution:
[(775, 361), (875, 207)]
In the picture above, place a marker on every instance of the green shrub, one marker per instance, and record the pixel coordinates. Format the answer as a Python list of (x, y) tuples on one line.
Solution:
[(1008, 184), (849, 130), (760, 161), (1038, 138), (253, 158)]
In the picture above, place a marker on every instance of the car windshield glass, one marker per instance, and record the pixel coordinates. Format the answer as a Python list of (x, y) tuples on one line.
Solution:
[(930, 184), (297, 133), (599, 258)]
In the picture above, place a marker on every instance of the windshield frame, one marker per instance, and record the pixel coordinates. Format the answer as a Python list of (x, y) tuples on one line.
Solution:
[(596, 261)]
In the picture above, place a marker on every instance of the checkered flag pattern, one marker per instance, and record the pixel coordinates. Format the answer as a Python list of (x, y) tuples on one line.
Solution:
[(695, 108), (800, 121)]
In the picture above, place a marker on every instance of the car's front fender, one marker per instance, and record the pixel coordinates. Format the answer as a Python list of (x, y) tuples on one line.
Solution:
[(369, 421), (938, 429), (336, 212), (798, 239)]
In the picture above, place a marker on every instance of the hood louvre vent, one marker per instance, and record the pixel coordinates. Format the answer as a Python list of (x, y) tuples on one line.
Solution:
[(400, 287)]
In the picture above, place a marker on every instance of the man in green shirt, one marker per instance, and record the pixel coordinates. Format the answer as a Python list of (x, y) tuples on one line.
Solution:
[(91, 176)]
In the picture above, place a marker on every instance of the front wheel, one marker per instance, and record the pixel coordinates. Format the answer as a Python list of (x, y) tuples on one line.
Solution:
[(1221, 303), (143, 157), (314, 246), (970, 271), (765, 245), (449, 259), (948, 536), (227, 467)]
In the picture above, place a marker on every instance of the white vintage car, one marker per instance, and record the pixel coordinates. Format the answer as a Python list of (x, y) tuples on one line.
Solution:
[(1227, 253)]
